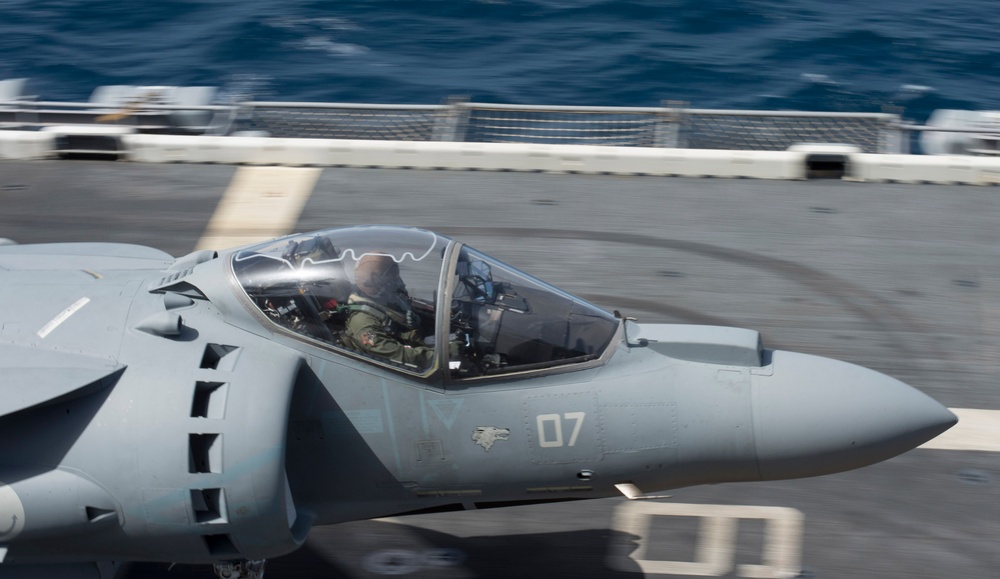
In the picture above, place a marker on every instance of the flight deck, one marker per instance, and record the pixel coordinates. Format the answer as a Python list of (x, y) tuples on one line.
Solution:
[(901, 278)]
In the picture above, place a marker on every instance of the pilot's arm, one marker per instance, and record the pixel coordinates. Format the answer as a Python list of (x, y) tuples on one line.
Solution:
[(368, 334)]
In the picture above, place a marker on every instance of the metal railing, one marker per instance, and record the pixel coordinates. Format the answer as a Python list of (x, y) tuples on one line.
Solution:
[(607, 126), (344, 121), (675, 127)]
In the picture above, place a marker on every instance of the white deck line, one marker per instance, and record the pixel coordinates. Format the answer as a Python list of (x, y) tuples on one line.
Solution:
[(977, 430), (715, 551), (62, 317), (261, 203)]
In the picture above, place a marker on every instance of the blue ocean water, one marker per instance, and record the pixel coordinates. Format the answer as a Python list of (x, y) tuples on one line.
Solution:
[(849, 55)]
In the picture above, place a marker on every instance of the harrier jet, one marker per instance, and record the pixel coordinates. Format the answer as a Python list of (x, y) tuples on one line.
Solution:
[(212, 409)]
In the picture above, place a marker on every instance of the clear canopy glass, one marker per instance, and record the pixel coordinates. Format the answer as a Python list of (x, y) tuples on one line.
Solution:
[(379, 292), (510, 321)]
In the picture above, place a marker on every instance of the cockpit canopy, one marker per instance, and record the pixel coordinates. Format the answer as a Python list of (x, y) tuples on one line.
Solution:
[(417, 301)]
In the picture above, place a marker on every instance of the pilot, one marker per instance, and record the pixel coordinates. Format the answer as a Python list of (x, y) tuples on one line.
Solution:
[(382, 321)]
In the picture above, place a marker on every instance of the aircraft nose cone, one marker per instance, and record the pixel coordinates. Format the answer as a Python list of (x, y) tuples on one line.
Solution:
[(816, 416)]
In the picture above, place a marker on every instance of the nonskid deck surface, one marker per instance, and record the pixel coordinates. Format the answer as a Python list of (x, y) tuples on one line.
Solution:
[(900, 278)]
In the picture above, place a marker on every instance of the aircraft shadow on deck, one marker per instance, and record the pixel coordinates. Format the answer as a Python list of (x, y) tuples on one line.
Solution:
[(369, 549)]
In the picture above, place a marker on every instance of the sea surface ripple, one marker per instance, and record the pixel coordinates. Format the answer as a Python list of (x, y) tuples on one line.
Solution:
[(850, 55)]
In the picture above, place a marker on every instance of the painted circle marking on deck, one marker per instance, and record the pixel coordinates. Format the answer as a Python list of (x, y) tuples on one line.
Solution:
[(393, 562), (406, 561)]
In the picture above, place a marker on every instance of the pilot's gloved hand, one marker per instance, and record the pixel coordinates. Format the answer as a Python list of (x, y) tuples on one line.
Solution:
[(412, 319), (327, 309), (454, 341)]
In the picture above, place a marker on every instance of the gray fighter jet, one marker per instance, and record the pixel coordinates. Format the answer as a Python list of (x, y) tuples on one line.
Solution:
[(213, 408)]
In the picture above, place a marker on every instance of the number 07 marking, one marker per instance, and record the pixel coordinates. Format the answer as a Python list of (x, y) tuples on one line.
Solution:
[(556, 430)]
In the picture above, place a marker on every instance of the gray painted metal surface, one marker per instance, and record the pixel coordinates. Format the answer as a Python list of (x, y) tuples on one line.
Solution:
[(837, 306)]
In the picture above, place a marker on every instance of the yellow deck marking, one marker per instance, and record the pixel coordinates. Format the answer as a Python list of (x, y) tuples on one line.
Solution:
[(261, 203), (976, 430)]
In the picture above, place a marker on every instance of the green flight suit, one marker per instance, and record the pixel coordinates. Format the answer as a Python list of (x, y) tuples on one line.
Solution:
[(371, 328)]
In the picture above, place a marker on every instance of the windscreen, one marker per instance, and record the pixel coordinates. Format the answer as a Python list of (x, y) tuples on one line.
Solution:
[(506, 321)]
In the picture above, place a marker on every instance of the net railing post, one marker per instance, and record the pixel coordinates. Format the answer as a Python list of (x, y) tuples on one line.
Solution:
[(893, 139), (675, 112), (222, 122), (450, 124), (667, 132)]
